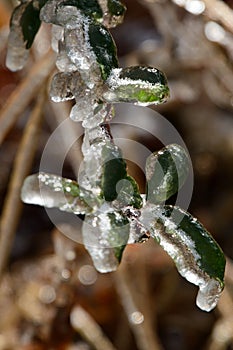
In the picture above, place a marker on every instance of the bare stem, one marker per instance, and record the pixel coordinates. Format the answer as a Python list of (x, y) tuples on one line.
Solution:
[(12, 207), (24, 93)]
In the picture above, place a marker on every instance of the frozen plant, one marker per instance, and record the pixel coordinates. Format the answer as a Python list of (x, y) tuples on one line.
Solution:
[(116, 213)]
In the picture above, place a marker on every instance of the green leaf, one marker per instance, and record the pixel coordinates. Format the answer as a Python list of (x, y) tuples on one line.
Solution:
[(105, 236), (114, 170), (90, 8), (139, 85), (166, 172), (103, 47), (196, 254), (53, 191), (128, 193)]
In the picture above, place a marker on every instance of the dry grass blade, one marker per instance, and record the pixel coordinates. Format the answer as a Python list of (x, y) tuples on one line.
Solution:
[(134, 300), (22, 164), (219, 11), (85, 325), (24, 93)]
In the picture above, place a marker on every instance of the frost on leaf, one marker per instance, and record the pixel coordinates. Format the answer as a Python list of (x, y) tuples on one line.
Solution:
[(166, 172), (196, 254), (105, 236), (139, 85), (53, 191)]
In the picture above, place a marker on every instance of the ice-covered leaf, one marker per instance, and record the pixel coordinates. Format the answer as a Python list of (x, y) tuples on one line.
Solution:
[(128, 193), (30, 21), (53, 191), (103, 47), (166, 172), (196, 254), (105, 236), (114, 170), (89, 8), (24, 25), (139, 85)]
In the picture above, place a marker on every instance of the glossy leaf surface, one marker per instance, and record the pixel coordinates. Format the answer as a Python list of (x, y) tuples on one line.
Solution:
[(90, 8), (114, 170), (166, 172), (103, 47), (139, 85)]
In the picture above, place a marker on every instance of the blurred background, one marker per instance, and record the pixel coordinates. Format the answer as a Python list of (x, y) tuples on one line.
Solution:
[(51, 297)]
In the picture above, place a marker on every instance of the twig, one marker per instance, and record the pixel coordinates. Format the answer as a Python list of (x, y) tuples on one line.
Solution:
[(12, 207), (24, 93), (86, 326)]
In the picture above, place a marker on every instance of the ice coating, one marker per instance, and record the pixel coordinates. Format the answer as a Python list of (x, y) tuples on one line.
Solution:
[(104, 236), (53, 191), (166, 172), (139, 85), (17, 54), (96, 244), (95, 139), (191, 261)]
